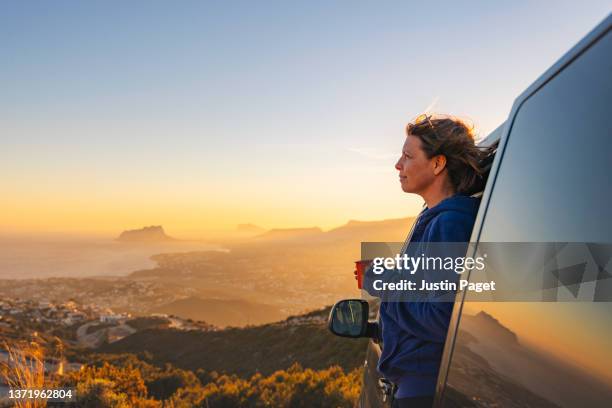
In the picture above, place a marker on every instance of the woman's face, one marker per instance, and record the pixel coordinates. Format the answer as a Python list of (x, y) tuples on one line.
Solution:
[(416, 171)]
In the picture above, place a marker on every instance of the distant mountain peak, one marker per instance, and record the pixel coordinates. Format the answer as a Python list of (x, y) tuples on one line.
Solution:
[(485, 316), (493, 327), (284, 233), (251, 228), (153, 233)]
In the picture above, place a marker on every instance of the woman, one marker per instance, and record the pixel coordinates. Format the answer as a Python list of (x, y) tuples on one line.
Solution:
[(441, 163)]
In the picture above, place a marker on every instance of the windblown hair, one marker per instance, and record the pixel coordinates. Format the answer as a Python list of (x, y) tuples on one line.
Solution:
[(454, 139)]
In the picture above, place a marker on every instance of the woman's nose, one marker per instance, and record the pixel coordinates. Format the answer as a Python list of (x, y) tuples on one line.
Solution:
[(398, 166)]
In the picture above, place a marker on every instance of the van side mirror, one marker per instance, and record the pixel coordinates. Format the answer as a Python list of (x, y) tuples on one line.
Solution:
[(349, 318)]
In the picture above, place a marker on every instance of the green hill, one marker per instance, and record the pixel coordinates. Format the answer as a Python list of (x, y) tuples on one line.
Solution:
[(221, 312), (245, 351)]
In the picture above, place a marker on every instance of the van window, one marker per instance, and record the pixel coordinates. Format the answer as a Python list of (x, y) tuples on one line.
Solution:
[(554, 185)]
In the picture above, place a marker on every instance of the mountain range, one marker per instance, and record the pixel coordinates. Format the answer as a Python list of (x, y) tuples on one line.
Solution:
[(390, 230)]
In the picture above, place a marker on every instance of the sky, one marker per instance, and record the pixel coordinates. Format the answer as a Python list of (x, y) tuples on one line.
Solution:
[(202, 115)]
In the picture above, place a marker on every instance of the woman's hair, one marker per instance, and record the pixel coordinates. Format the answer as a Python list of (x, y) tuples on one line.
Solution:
[(454, 139)]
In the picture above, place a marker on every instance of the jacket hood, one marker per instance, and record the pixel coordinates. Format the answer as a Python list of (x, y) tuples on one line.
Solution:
[(457, 203)]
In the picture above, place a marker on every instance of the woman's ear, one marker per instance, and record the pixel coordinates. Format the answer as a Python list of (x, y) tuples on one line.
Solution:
[(439, 164)]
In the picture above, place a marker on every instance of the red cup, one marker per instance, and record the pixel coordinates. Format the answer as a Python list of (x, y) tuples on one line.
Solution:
[(360, 267)]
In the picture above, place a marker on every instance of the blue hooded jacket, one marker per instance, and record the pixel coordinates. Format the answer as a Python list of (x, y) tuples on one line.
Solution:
[(413, 333)]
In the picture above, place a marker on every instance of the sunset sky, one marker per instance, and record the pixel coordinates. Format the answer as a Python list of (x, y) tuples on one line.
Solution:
[(202, 115)]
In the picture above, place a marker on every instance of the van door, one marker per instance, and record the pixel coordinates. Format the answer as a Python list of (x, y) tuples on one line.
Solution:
[(552, 185), (375, 392)]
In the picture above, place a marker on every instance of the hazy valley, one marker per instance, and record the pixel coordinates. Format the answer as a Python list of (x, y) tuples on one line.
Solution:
[(252, 277)]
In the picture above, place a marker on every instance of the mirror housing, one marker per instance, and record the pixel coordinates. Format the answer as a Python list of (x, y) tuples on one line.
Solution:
[(349, 318)]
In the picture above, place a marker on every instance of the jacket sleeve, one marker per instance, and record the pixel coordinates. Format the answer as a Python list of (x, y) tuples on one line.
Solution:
[(429, 320), (386, 275)]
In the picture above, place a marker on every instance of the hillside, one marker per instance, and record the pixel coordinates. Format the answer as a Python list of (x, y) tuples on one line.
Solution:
[(290, 233), (244, 351), (391, 230), (221, 312), (251, 229), (353, 231)]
